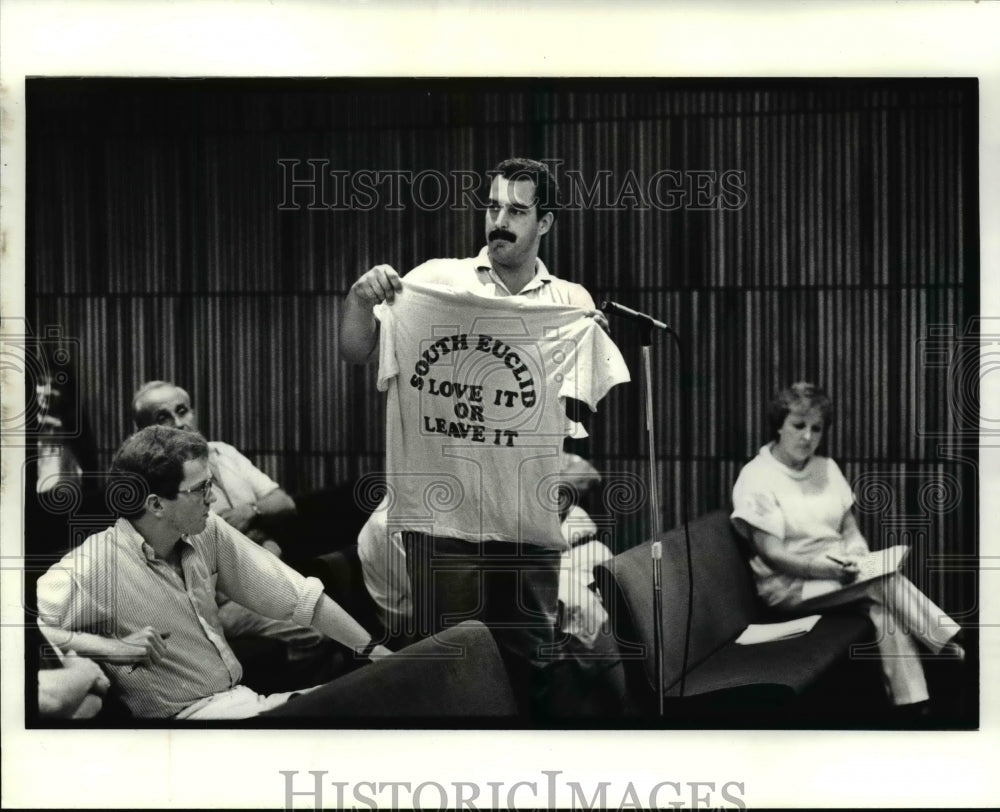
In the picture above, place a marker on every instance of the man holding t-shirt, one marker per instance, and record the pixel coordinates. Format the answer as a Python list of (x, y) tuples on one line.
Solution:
[(477, 356)]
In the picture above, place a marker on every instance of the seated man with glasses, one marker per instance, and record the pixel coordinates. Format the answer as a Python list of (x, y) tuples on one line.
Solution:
[(244, 497), (139, 597)]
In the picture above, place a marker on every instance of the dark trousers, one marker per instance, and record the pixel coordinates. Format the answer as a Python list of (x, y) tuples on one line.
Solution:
[(513, 588)]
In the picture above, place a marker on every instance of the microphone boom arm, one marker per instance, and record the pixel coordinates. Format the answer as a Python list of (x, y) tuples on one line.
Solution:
[(644, 319)]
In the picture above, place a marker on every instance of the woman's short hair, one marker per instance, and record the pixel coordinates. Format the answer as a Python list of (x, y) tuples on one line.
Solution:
[(799, 397), (151, 461)]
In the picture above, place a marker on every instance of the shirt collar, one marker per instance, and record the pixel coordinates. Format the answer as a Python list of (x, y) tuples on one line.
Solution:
[(541, 277), (133, 539), (794, 473)]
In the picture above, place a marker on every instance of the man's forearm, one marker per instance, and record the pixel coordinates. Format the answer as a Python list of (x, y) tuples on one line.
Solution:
[(276, 504), (358, 332), (73, 691), (331, 619), (95, 646), (61, 692)]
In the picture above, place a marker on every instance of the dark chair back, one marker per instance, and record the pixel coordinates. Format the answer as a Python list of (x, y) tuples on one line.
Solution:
[(725, 600), (456, 673)]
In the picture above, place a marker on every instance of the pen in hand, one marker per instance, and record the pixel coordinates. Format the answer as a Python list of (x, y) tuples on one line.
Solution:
[(850, 569), (154, 644)]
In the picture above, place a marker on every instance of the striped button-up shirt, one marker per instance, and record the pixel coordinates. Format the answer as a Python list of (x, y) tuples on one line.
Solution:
[(113, 585)]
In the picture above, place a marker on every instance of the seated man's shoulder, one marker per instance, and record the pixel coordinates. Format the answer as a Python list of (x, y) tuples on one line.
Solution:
[(95, 542), (218, 447), (217, 534), (215, 527), (222, 452), (85, 561)]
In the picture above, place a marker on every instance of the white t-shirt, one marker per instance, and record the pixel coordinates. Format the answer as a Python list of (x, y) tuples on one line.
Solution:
[(475, 416), (805, 509)]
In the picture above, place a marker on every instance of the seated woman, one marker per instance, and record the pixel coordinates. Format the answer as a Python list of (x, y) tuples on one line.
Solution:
[(795, 507)]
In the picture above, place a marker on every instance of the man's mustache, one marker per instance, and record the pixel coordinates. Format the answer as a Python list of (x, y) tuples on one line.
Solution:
[(502, 234)]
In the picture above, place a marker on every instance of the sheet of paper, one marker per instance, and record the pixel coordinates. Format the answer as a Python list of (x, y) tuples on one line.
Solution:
[(767, 632), (874, 565)]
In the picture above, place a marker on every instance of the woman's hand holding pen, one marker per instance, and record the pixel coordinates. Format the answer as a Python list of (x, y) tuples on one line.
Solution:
[(833, 568), (848, 568)]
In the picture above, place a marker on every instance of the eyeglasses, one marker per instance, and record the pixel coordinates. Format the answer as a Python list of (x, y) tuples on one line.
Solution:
[(205, 488)]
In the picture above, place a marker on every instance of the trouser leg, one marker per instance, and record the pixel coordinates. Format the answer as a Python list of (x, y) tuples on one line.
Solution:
[(901, 615), (917, 613), (525, 628), (512, 588), (902, 672)]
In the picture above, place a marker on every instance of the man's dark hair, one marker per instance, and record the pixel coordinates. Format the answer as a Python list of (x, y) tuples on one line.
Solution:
[(152, 460), (546, 187)]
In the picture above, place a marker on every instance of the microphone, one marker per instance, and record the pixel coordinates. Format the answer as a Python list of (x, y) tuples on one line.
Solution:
[(628, 313)]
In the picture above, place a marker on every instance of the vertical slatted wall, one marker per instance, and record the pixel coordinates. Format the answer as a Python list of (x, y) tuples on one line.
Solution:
[(157, 238)]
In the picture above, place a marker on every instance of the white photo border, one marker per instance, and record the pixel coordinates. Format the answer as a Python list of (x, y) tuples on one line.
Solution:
[(181, 769)]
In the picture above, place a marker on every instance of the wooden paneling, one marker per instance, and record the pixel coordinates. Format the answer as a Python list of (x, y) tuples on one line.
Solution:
[(157, 238)]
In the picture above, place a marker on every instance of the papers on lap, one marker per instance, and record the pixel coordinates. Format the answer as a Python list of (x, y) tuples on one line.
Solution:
[(768, 632), (876, 564)]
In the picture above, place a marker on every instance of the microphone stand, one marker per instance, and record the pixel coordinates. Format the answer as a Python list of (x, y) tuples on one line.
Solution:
[(654, 506), (646, 325)]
